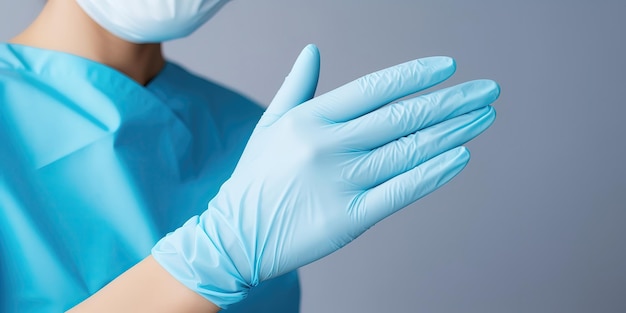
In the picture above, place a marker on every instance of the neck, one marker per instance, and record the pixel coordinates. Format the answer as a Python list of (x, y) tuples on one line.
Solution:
[(63, 26)]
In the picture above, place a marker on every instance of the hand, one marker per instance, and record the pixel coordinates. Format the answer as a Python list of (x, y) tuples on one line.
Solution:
[(317, 173)]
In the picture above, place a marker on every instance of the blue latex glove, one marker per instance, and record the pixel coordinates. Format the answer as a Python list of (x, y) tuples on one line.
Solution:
[(316, 174)]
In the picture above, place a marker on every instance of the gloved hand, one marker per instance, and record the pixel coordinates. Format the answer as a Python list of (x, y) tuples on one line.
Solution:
[(316, 174)]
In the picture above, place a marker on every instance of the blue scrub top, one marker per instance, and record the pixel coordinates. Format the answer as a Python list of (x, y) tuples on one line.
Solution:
[(95, 169)]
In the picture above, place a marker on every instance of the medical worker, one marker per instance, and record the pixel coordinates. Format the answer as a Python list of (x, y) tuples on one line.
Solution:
[(128, 184)]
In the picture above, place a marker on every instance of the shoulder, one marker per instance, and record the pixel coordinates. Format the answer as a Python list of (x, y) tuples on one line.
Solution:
[(206, 106), (178, 81)]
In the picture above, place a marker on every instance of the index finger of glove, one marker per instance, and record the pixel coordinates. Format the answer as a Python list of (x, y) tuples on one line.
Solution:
[(373, 91)]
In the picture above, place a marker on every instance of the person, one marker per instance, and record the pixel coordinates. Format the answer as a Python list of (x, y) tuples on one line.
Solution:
[(108, 147)]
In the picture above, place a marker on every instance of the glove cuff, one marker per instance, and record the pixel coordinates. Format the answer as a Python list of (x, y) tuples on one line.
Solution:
[(201, 262)]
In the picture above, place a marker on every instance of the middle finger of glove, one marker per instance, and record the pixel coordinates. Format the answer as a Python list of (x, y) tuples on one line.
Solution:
[(402, 118)]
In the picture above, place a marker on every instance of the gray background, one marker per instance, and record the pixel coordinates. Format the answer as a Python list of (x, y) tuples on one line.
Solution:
[(536, 223)]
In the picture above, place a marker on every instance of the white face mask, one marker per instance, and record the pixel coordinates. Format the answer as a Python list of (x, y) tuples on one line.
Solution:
[(146, 21)]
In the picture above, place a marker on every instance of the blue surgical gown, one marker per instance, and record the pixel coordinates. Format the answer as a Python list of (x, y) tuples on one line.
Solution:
[(95, 169)]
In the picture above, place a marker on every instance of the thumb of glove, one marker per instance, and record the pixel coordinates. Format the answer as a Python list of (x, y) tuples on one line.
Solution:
[(299, 86)]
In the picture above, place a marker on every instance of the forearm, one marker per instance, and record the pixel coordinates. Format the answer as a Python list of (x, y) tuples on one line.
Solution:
[(146, 287)]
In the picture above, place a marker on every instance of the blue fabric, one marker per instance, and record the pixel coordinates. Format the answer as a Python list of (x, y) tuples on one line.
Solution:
[(95, 169)]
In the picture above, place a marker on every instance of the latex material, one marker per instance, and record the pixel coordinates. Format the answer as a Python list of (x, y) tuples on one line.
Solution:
[(95, 169), (149, 21), (316, 175)]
